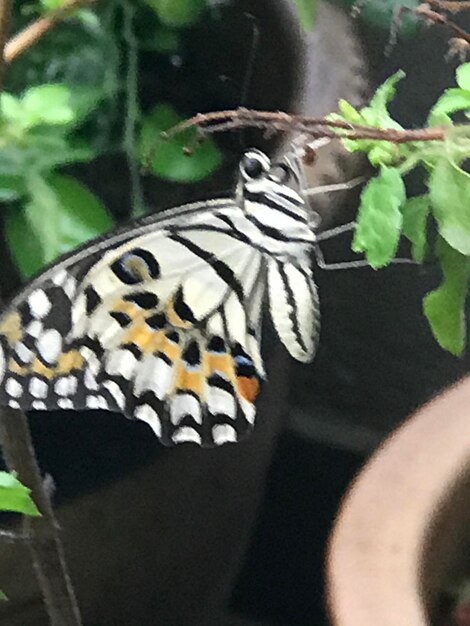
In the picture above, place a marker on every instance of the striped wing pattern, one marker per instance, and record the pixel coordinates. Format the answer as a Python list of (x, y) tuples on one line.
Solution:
[(163, 322)]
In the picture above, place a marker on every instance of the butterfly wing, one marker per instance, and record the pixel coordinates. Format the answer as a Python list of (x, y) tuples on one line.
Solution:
[(160, 323), (294, 307)]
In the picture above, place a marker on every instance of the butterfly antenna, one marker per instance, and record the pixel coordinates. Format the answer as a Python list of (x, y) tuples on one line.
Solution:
[(247, 81), (350, 184)]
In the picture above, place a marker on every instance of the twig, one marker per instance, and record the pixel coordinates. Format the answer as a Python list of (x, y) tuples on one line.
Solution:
[(435, 17), (26, 38), (45, 543), (220, 121), (18, 451), (449, 5)]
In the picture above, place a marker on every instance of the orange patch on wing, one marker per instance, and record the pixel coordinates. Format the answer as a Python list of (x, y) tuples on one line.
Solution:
[(170, 349), (11, 327), (190, 381), (16, 368), (38, 367), (131, 309), (221, 363), (173, 317), (141, 335), (69, 361), (248, 387)]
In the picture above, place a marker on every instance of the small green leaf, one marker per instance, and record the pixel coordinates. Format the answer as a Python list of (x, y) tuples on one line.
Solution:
[(60, 215), (306, 11), (48, 104), (3, 597), (452, 100), (445, 306), (415, 215), (449, 191), (178, 13), (376, 114), (348, 112), (462, 75), (380, 219), (167, 157), (15, 497)]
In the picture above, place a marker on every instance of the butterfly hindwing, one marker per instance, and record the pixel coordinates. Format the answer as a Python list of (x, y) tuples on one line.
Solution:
[(294, 308), (156, 327)]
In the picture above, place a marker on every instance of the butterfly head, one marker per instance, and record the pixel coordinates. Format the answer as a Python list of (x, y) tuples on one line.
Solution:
[(266, 186)]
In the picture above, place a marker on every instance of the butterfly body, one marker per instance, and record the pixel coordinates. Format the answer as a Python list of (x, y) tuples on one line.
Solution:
[(162, 322)]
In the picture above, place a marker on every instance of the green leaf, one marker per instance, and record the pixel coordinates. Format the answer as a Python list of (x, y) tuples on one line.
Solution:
[(452, 100), (380, 218), (348, 112), (15, 497), (3, 597), (48, 104), (415, 215), (178, 13), (445, 306), (60, 214), (449, 191), (462, 75), (167, 157), (10, 107), (306, 11)]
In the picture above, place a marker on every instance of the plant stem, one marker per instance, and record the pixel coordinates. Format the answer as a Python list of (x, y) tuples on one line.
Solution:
[(220, 121), (45, 543), (132, 110), (17, 446)]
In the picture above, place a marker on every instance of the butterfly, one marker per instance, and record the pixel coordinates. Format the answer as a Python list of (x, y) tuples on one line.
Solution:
[(162, 321)]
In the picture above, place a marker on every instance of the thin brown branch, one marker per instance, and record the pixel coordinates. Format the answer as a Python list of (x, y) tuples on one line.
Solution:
[(26, 38), (45, 543), (449, 5), (18, 451), (220, 121)]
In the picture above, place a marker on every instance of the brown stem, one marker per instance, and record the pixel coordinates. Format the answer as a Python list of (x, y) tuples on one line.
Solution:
[(32, 33), (220, 121), (18, 451), (45, 543), (449, 5)]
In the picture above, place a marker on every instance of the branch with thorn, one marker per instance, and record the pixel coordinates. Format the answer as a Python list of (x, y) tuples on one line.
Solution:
[(313, 127)]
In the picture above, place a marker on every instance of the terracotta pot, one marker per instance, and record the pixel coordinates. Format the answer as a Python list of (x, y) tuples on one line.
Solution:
[(402, 535)]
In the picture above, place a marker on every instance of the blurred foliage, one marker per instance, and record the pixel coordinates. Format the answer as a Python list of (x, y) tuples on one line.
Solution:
[(380, 14), (306, 12), (15, 497), (74, 97), (385, 213)]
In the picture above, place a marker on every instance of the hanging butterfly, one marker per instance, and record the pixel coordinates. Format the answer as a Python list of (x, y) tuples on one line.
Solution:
[(162, 322)]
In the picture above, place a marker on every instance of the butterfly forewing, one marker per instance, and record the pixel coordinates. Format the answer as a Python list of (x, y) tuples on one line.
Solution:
[(162, 322)]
